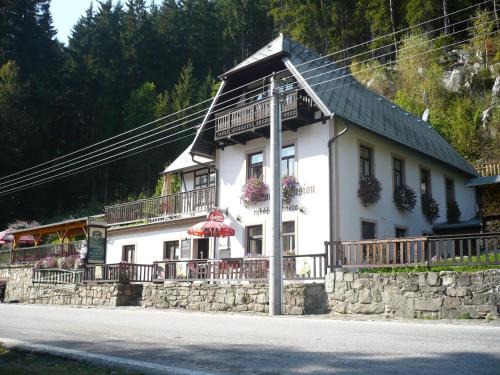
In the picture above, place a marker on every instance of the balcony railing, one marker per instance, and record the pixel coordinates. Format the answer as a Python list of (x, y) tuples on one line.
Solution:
[(163, 208), (257, 115), (488, 169)]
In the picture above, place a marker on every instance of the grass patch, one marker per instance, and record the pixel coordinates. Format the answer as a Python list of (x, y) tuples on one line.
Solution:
[(14, 362)]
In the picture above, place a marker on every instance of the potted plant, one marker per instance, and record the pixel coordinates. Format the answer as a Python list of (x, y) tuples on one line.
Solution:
[(370, 189), (253, 191), (430, 208), (289, 185), (405, 198)]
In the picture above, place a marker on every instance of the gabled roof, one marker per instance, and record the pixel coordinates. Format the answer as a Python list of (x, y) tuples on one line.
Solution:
[(338, 93), (185, 162)]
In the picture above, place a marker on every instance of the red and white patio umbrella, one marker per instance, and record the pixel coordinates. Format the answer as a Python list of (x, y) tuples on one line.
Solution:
[(6, 236), (213, 227)]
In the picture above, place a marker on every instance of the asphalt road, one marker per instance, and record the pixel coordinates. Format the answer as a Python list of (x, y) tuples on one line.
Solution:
[(201, 343)]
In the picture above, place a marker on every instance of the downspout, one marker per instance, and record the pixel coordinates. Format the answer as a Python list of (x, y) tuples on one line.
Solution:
[(330, 184)]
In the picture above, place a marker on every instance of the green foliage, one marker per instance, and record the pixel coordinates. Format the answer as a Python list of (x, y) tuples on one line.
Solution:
[(176, 183), (159, 187)]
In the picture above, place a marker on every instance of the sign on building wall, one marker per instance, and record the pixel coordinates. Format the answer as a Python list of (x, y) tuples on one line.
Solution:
[(96, 244), (186, 248)]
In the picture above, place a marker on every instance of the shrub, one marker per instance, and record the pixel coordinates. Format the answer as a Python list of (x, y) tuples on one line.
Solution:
[(289, 185), (405, 198), (430, 208), (370, 189), (452, 212), (253, 191), (49, 262)]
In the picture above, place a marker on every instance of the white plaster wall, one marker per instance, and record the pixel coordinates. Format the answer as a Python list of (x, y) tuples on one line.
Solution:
[(385, 212), (148, 241), (311, 225)]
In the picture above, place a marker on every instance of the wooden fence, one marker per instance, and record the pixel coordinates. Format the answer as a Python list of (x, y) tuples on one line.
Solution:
[(488, 169), (119, 272), (295, 267), (455, 250)]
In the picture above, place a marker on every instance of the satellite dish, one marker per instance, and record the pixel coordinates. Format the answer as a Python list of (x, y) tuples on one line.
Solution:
[(425, 115)]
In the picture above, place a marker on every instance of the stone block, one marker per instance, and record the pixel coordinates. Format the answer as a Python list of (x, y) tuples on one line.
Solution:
[(349, 277), (463, 280), (410, 287), (434, 304), (448, 280), (339, 308), (365, 296), (374, 308)]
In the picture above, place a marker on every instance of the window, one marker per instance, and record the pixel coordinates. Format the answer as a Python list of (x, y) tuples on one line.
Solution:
[(255, 165), (254, 240), (288, 235), (425, 181), (128, 253), (368, 230), (397, 173), (365, 161), (171, 250), (288, 161), (204, 178), (450, 189), (401, 232)]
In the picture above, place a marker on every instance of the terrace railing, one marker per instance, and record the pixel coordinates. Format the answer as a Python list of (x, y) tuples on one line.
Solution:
[(295, 267), (119, 272), (25, 255), (162, 208), (455, 250)]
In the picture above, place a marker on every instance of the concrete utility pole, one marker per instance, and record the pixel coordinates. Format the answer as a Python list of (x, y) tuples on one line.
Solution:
[(276, 255)]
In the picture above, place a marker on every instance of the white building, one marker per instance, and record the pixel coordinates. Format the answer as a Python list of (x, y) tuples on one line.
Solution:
[(334, 131)]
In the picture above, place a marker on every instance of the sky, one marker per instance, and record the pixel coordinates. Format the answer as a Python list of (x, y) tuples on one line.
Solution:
[(65, 13)]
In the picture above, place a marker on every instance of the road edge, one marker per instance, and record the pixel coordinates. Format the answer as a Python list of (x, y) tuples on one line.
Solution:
[(100, 359)]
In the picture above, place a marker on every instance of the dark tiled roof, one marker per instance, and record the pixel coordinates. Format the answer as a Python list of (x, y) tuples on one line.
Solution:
[(345, 97), (483, 181)]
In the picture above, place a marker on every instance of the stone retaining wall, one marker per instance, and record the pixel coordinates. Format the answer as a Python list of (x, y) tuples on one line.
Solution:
[(298, 298), (455, 295), (21, 289)]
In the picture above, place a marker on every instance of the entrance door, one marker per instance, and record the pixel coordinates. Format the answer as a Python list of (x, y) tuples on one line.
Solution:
[(203, 247)]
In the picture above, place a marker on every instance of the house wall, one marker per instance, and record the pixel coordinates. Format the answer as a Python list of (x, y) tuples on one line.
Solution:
[(385, 213), (149, 240), (309, 211)]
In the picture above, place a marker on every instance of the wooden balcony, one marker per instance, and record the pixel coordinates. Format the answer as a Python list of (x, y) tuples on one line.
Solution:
[(167, 207), (488, 169), (252, 121)]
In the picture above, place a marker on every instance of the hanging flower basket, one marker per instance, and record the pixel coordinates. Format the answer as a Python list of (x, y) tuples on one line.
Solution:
[(430, 208), (369, 191), (253, 191), (289, 186), (405, 198)]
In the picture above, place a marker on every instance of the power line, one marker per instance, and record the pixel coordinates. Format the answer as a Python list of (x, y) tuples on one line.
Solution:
[(232, 90), (100, 162)]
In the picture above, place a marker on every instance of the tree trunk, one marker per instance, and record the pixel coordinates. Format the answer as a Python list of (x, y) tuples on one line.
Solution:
[(446, 18), (393, 28)]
